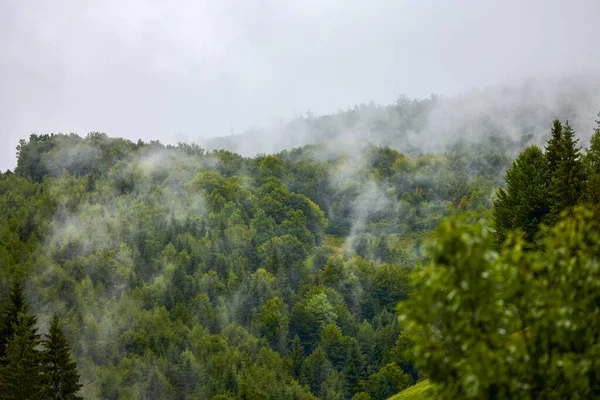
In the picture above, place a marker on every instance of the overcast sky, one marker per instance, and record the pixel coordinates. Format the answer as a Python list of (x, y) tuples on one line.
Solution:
[(188, 70)]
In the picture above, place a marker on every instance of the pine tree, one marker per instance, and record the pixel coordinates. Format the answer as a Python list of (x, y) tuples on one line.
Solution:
[(592, 165), (553, 146), (296, 357), (61, 370), (315, 370), (16, 304), (569, 176), (353, 369), (525, 202), (22, 375)]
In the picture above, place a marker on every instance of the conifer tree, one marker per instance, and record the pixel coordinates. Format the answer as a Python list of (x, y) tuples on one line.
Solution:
[(568, 177), (353, 368), (61, 370), (16, 304), (316, 369), (296, 356), (525, 202), (22, 375), (553, 146), (592, 165)]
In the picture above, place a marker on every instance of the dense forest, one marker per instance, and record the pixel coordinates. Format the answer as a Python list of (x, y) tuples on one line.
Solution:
[(323, 271)]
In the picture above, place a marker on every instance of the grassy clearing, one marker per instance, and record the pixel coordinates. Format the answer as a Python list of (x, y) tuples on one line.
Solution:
[(334, 242), (420, 391)]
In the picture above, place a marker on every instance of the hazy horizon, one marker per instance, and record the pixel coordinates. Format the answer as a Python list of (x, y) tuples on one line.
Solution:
[(202, 69)]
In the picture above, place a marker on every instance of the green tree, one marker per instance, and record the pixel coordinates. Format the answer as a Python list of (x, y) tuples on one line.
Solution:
[(353, 368), (518, 324), (315, 370), (390, 285), (569, 176), (525, 202), (554, 146), (333, 342), (281, 253), (296, 357), (61, 370), (388, 381), (16, 304), (157, 386), (22, 375), (271, 321), (310, 317), (592, 165)]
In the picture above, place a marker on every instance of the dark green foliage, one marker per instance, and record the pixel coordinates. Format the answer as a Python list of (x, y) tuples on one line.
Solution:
[(15, 305), (388, 381), (353, 371), (390, 285), (22, 373), (296, 357), (525, 202), (60, 369), (554, 146), (316, 370), (568, 175), (592, 165), (540, 186)]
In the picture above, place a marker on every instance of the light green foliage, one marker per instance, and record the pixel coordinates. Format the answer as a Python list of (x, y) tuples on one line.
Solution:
[(471, 300), (420, 391), (320, 311)]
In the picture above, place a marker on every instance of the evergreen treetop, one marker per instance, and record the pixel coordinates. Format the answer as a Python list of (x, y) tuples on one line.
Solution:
[(63, 378), (22, 375)]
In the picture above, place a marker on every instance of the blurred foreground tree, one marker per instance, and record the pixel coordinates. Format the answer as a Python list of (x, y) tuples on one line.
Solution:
[(521, 323)]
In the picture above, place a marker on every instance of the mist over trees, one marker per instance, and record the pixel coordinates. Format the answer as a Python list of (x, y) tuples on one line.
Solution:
[(519, 111), (175, 272)]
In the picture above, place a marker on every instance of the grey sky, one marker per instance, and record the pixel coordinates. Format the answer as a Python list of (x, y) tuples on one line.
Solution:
[(186, 70)]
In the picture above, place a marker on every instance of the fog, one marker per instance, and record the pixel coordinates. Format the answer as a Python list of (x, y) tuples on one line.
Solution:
[(193, 70)]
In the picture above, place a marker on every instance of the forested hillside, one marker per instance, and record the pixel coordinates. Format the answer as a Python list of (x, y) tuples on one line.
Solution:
[(181, 273)]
